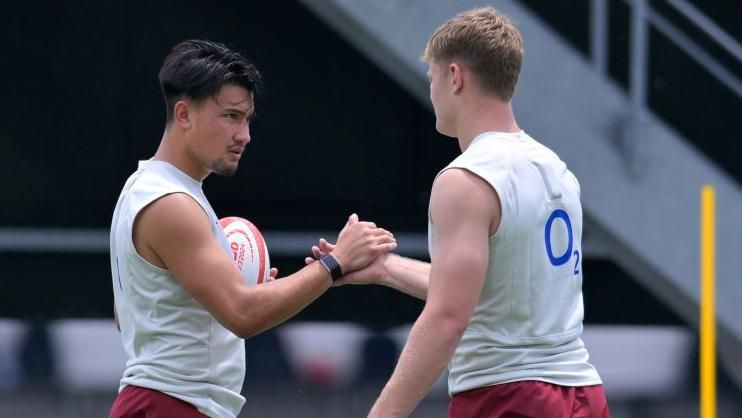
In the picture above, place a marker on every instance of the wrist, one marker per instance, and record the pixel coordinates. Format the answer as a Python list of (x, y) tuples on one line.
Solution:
[(341, 260), (387, 275), (330, 263)]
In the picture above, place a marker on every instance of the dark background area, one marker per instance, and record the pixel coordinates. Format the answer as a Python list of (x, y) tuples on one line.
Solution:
[(334, 135)]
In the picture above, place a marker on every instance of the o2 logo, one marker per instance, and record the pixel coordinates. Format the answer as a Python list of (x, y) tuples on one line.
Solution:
[(561, 259)]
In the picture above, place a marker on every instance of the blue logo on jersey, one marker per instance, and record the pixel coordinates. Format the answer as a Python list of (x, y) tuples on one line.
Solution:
[(562, 259)]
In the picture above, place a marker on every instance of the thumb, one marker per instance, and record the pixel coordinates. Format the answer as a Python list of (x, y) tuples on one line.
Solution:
[(352, 219), (325, 246)]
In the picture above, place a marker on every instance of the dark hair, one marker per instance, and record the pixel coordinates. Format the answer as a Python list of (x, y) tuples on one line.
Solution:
[(198, 69)]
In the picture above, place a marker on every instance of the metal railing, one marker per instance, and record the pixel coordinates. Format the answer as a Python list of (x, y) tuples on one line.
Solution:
[(643, 14), (95, 241)]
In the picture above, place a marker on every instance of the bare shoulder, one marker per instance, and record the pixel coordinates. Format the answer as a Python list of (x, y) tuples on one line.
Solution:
[(174, 212), (173, 221), (460, 188), (460, 194)]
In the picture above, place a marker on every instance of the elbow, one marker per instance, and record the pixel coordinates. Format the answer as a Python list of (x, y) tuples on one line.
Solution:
[(455, 327), (240, 329), (239, 316), (247, 324), (242, 326), (245, 332), (450, 323)]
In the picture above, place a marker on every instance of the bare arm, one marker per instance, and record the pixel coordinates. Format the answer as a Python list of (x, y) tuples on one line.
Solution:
[(404, 274), (464, 209), (175, 233)]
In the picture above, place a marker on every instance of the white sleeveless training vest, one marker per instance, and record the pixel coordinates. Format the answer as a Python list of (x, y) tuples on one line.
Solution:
[(173, 344), (528, 321)]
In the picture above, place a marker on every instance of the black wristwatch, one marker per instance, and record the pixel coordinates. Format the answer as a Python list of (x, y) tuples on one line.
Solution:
[(329, 262)]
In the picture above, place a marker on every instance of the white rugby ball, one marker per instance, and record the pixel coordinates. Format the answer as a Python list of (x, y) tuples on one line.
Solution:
[(248, 248)]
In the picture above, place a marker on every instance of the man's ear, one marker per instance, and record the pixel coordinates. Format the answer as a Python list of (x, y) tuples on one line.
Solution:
[(456, 74), (182, 113)]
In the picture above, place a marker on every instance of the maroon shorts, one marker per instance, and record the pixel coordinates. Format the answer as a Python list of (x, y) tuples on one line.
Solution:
[(138, 402), (530, 399)]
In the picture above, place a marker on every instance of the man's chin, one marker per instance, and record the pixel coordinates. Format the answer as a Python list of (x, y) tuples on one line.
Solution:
[(225, 170)]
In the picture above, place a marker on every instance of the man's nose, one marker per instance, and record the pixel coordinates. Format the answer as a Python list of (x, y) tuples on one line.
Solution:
[(244, 134)]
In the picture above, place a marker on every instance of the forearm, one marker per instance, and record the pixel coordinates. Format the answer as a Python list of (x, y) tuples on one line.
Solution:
[(266, 305), (432, 341), (408, 276)]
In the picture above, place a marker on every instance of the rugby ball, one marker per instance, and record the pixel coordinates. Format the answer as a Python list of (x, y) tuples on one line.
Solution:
[(249, 252)]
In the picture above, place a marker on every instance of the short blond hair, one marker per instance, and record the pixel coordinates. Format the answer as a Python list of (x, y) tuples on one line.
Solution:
[(486, 42)]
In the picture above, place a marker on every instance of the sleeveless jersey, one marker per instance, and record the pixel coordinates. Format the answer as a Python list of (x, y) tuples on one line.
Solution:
[(528, 320), (173, 344)]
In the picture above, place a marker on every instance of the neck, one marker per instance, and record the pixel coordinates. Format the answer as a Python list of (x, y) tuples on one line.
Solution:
[(172, 150), (485, 115)]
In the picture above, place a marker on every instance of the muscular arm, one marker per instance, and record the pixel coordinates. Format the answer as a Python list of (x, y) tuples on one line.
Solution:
[(175, 233), (464, 210)]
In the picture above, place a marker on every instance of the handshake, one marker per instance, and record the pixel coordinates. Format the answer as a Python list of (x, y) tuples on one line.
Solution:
[(359, 255)]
